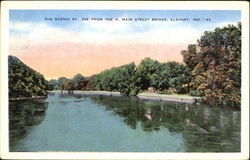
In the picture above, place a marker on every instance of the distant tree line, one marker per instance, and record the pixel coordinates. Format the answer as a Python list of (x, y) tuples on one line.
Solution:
[(129, 80), (78, 82)]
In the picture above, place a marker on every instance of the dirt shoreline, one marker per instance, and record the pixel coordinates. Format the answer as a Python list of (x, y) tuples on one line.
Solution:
[(179, 100), (147, 96), (27, 98)]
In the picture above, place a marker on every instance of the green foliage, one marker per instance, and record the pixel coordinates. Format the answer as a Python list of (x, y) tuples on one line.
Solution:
[(24, 81), (167, 91), (171, 75), (117, 79), (144, 73), (195, 93), (69, 85), (90, 83), (125, 79), (58, 84), (80, 82), (52, 84), (216, 67), (190, 56), (130, 80)]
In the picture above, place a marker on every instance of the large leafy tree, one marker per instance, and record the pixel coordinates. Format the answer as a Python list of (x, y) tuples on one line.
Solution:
[(144, 71), (171, 75), (125, 79), (216, 65), (24, 81), (106, 81)]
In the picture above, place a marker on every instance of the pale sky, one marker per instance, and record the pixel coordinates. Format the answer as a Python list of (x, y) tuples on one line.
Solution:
[(65, 48)]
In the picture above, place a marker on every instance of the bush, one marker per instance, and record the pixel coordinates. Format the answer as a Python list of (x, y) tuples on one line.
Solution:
[(167, 91), (195, 93)]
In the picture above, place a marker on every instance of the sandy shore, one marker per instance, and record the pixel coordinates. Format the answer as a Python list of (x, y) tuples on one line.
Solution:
[(145, 95)]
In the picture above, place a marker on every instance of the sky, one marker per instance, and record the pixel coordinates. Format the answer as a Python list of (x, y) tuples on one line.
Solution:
[(57, 48)]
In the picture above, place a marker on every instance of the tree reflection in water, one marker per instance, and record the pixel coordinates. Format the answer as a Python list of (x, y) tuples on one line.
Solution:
[(211, 126), (203, 129), (22, 115)]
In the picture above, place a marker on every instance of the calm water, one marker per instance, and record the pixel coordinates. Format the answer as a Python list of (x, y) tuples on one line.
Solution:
[(121, 124)]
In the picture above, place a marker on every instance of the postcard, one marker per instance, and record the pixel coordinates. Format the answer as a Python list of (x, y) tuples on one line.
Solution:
[(124, 80)]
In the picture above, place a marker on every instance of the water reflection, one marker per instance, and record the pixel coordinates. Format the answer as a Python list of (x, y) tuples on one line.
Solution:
[(205, 129), (23, 114), (177, 127)]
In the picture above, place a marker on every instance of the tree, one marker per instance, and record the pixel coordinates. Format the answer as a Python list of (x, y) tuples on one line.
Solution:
[(144, 71), (130, 80), (171, 75), (80, 81), (116, 79), (216, 67), (125, 80), (52, 84), (90, 83), (24, 81), (69, 85), (60, 83), (190, 56)]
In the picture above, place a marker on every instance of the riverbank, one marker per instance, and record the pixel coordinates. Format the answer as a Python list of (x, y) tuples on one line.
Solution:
[(27, 98), (145, 95), (80, 92), (171, 98)]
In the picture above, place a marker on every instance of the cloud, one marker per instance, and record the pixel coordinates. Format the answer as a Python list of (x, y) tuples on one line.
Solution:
[(20, 26), (25, 34), (102, 32)]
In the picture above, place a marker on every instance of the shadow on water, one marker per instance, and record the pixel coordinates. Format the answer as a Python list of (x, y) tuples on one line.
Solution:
[(23, 114), (205, 129)]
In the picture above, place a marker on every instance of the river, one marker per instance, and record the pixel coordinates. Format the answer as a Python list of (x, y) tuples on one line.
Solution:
[(120, 124)]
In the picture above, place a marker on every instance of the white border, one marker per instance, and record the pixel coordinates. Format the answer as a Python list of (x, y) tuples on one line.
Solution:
[(138, 5)]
